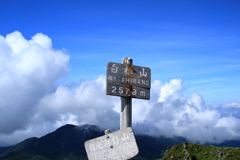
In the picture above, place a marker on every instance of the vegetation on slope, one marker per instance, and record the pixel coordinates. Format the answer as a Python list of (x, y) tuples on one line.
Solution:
[(190, 151)]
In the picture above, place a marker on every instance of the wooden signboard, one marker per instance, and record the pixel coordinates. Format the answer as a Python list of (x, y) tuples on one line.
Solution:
[(125, 90), (128, 80), (119, 145)]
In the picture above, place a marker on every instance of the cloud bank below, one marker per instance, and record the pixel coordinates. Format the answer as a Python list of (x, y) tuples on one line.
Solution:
[(32, 105)]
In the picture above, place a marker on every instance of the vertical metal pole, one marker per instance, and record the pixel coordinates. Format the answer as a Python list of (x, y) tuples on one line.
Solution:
[(126, 105)]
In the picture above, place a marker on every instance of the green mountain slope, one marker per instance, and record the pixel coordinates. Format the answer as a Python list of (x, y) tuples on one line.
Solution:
[(190, 151)]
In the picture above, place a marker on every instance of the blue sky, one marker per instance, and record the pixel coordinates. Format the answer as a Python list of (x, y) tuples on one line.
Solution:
[(196, 41)]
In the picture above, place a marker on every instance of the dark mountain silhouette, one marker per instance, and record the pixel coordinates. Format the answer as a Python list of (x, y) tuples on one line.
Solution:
[(231, 143), (67, 142)]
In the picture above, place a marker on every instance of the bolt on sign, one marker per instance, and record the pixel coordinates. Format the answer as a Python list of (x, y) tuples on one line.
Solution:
[(128, 81), (119, 145)]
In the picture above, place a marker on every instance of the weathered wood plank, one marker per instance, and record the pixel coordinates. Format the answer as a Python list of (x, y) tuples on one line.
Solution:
[(119, 145)]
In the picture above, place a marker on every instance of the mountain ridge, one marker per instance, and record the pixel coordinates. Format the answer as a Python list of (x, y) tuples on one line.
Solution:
[(67, 142)]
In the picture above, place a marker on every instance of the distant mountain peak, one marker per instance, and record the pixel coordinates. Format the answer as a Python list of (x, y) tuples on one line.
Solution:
[(86, 131), (65, 141)]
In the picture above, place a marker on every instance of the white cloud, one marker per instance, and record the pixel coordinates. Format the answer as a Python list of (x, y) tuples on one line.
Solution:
[(189, 117), (31, 104), (87, 103), (28, 71), (234, 104)]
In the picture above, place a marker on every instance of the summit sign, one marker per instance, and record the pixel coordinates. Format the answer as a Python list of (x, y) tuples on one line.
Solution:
[(128, 81)]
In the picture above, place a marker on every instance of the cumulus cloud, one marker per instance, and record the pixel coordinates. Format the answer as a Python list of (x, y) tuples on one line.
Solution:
[(177, 115), (32, 105), (86, 104), (28, 71)]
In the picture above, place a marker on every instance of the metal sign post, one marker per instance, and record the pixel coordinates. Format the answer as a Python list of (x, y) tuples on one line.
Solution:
[(126, 104)]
